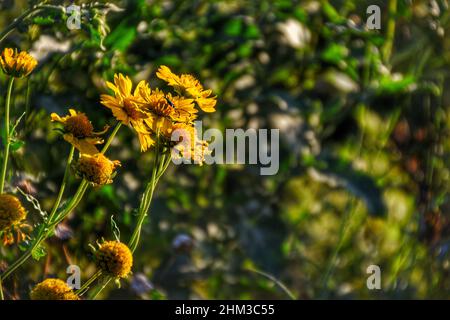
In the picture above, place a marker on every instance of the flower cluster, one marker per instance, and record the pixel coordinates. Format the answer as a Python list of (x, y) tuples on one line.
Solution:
[(53, 289), (155, 114), (17, 64), (114, 258), (12, 215), (91, 165)]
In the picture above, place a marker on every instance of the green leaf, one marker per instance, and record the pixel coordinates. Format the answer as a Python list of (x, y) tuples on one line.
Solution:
[(16, 145), (38, 252), (43, 21), (122, 37)]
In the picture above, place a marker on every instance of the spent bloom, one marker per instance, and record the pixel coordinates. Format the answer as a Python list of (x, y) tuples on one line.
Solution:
[(12, 215), (114, 258), (97, 168), (17, 64), (79, 132), (53, 289)]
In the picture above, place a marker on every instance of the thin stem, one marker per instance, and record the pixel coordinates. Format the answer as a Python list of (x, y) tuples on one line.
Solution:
[(276, 281), (94, 295), (146, 200), (7, 134), (2, 296), (86, 285), (63, 185), (390, 32), (111, 137), (342, 231)]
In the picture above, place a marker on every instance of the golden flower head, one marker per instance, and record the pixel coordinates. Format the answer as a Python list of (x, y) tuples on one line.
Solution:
[(53, 289), (17, 64), (12, 215), (187, 85), (114, 258), (96, 168), (79, 131), (11, 211)]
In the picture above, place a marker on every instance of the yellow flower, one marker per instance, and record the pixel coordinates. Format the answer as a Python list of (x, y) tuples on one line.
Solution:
[(12, 213), (97, 168), (186, 84), (157, 108), (17, 64), (114, 258), (79, 132), (125, 106), (53, 289)]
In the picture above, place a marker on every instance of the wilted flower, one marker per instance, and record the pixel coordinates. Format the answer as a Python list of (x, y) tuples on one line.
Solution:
[(53, 289), (17, 64), (187, 85), (12, 213), (79, 132), (96, 168), (114, 258)]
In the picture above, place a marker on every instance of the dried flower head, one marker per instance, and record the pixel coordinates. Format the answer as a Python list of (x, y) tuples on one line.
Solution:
[(12, 214), (114, 258), (17, 64), (79, 131), (96, 168), (53, 289)]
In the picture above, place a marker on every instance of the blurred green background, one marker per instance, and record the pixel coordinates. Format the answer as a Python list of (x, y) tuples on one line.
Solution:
[(364, 156)]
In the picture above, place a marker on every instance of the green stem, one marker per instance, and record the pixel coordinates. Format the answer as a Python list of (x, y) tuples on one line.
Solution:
[(390, 32), (332, 262), (63, 185), (276, 281), (146, 200), (111, 137), (94, 295), (86, 285), (7, 134), (2, 296)]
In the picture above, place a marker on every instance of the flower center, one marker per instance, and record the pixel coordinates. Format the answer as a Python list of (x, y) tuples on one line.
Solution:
[(79, 126), (130, 109), (162, 108)]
